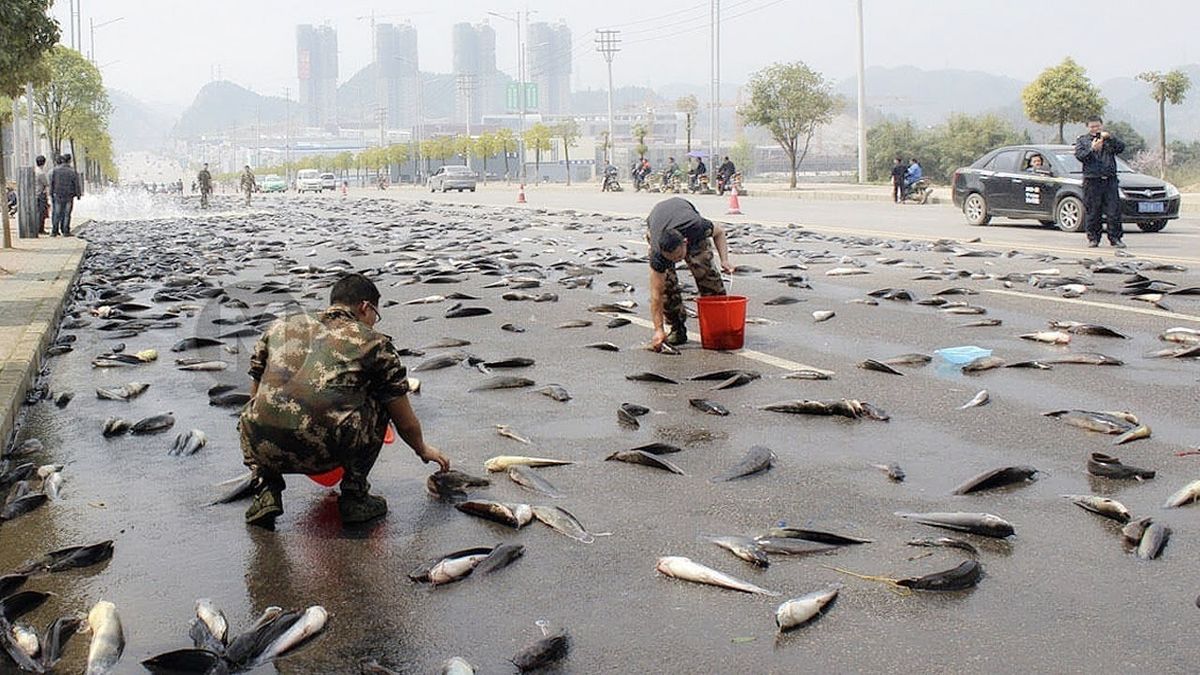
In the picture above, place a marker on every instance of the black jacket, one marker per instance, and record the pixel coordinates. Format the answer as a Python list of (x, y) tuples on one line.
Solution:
[(64, 183), (898, 171), (1102, 164)]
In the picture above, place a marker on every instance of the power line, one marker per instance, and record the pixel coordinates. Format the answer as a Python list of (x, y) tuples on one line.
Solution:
[(705, 26)]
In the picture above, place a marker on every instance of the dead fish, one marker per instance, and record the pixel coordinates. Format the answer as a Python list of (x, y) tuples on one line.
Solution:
[(556, 392), (603, 346), (515, 516), (739, 380), (1077, 328), (507, 432), (1086, 359), (650, 377), (241, 487), (503, 382), (502, 556), (742, 547), (1153, 540), (980, 399), (530, 480), (850, 408), (822, 315), (202, 366), (624, 307), (845, 271), (153, 425), (186, 661), (947, 542), (1139, 432), (188, 444), (645, 459), (983, 363), (807, 375), (709, 407), (723, 375), (618, 322), (562, 521), (427, 300), (518, 362), (548, 650), (659, 448), (966, 575), (759, 458), (125, 392), (787, 546), (108, 640), (512, 328), (872, 364), (575, 323), (453, 484), (683, 568), (1052, 337), (908, 360), (1034, 365), (805, 609), (195, 343), (466, 312), (783, 300), (504, 462), (893, 471), (456, 567), (808, 534), (1186, 495), (1132, 531), (439, 362), (982, 323), (22, 505), (72, 557), (446, 343), (1107, 466), (965, 309), (985, 524), (996, 478), (1099, 422), (1109, 508)]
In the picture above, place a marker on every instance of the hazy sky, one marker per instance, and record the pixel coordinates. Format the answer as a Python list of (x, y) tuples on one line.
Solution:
[(165, 50)]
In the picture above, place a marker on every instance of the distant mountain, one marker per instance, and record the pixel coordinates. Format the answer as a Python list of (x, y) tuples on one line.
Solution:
[(220, 106), (1129, 99), (135, 125)]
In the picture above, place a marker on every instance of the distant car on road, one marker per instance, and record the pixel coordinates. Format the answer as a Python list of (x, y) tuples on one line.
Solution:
[(1001, 183), (308, 180), (272, 183), (328, 181), (452, 177)]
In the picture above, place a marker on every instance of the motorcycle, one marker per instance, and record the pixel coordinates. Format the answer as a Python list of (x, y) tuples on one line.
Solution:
[(611, 184), (725, 183), (919, 192), (699, 185)]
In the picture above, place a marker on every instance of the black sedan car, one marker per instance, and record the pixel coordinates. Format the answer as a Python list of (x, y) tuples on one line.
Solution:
[(1007, 182)]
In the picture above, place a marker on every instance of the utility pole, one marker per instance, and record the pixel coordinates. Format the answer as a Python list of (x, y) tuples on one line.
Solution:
[(608, 44), (33, 151), (466, 88), (715, 85), (862, 95)]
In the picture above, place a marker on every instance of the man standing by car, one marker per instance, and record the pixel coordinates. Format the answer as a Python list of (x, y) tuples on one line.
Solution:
[(1097, 150), (248, 183), (678, 232)]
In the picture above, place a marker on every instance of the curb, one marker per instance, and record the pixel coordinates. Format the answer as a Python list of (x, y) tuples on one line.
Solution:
[(15, 381)]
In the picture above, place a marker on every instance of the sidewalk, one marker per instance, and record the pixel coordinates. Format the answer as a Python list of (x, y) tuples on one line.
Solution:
[(35, 277)]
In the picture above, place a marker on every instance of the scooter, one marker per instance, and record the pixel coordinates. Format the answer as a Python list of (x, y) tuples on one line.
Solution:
[(919, 192), (611, 184), (725, 183)]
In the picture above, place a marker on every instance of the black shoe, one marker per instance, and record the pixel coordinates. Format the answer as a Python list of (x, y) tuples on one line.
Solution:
[(1093, 244), (677, 336), (266, 507), (360, 508), (1118, 244)]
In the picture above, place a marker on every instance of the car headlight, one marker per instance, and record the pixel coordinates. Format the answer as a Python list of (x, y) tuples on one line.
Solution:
[(1172, 191)]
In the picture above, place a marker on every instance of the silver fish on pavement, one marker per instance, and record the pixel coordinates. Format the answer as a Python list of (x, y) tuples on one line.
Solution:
[(686, 569), (985, 524), (799, 611), (1103, 506), (757, 459), (563, 522), (108, 639)]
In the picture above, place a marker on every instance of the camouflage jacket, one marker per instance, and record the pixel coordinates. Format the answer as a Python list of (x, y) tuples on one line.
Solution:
[(316, 371), (247, 182), (205, 178)]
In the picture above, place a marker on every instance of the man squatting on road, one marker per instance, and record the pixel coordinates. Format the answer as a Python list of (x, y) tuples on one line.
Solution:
[(678, 232)]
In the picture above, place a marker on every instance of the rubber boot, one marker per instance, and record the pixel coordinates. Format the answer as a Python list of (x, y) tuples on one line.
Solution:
[(266, 507), (677, 336), (360, 507)]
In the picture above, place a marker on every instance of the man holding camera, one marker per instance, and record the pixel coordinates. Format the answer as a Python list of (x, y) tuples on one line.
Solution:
[(1097, 150)]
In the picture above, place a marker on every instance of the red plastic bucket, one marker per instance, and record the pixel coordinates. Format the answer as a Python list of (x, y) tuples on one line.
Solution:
[(334, 476), (722, 321)]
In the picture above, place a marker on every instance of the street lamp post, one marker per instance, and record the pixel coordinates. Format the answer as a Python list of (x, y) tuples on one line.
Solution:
[(520, 83), (92, 26), (862, 94)]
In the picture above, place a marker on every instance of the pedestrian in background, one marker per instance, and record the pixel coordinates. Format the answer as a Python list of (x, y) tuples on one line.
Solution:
[(41, 182), (64, 190), (1097, 150), (898, 170), (247, 183), (204, 178)]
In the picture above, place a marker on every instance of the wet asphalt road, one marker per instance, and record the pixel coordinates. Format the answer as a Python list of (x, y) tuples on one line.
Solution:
[(1060, 596)]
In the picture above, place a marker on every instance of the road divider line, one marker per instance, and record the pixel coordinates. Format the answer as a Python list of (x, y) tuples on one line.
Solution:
[(1100, 305), (753, 355)]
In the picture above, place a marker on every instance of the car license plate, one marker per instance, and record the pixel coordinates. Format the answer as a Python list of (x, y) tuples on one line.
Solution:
[(1152, 207)]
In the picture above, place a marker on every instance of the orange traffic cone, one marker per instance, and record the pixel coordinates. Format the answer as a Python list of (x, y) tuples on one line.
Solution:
[(521, 195), (735, 209)]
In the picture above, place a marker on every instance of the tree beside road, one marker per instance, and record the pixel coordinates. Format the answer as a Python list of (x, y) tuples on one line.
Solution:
[(1062, 94), (790, 100), (1165, 88)]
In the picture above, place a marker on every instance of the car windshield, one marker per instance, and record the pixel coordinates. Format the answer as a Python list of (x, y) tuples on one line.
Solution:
[(273, 177), (327, 175), (307, 174), (1067, 159), (457, 169)]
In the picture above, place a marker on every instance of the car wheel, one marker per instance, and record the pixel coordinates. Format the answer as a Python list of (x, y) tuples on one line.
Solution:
[(1152, 226), (472, 189), (1068, 215), (975, 209)]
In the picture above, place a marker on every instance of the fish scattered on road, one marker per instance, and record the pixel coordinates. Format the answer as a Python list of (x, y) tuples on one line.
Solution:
[(504, 462), (1104, 506), (996, 478), (683, 568), (985, 524), (757, 459), (800, 611), (543, 653), (980, 399), (645, 459), (108, 639)]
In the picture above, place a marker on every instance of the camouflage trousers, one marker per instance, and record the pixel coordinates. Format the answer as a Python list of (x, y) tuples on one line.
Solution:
[(271, 452), (708, 281), (248, 193)]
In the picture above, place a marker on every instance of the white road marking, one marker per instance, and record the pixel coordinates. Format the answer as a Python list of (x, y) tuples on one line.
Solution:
[(768, 359), (1092, 303)]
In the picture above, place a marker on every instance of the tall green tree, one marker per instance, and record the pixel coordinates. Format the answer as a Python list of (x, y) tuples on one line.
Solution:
[(790, 100), (27, 33), (72, 99), (537, 138), (688, 105), (567, 132), (638, 131), (742, 155), (486, 146), (506, 142), (1165, 88), (1062, 94), (888, 140), (962, 139)]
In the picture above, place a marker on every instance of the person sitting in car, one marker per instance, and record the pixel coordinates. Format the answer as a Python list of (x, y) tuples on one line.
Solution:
[(1037, 165)]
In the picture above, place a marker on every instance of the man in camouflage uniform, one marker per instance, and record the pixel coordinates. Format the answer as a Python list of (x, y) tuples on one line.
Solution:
[(204, 178), (324, 388), (248, 183), (678, 232)]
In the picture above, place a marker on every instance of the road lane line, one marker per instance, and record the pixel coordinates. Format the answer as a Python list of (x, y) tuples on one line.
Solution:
[(1092, 303), (761, 357)]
